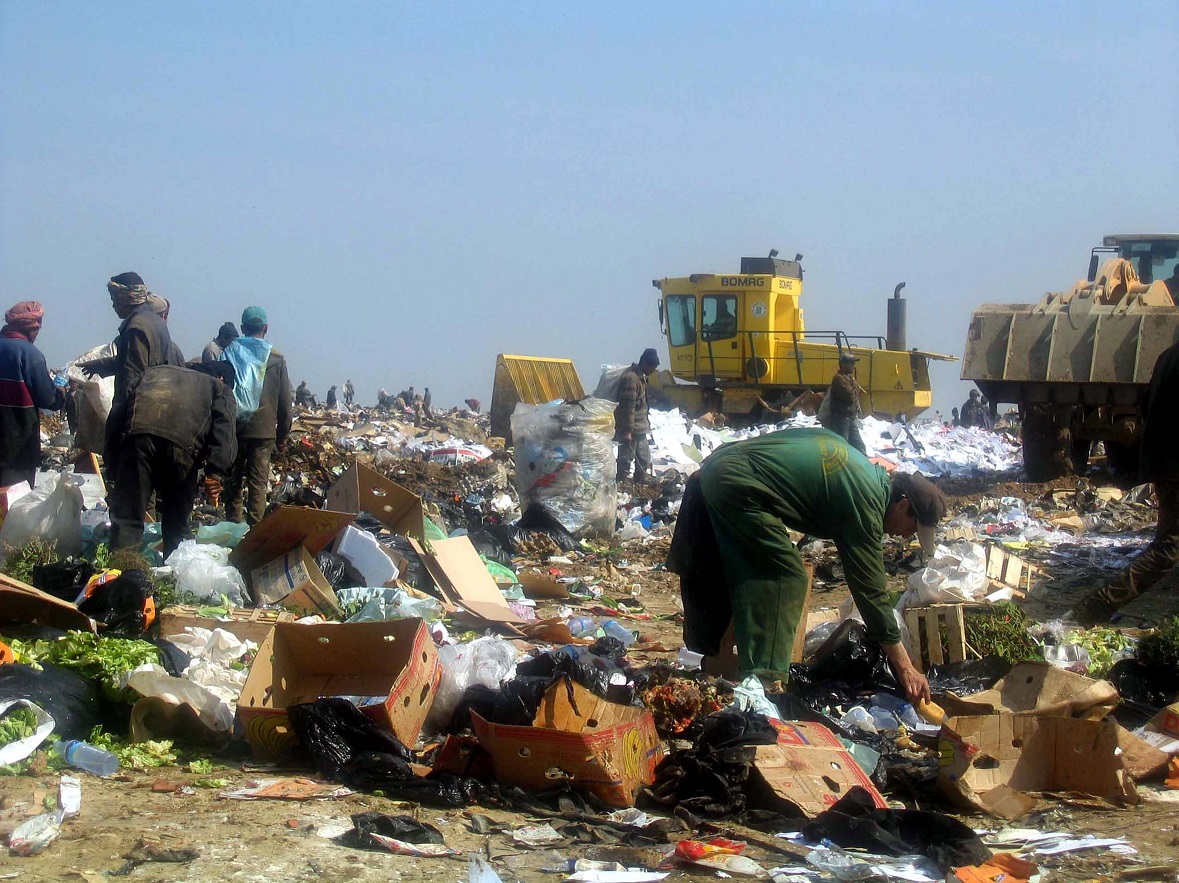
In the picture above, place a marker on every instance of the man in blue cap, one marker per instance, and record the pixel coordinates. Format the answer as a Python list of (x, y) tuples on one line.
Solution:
[(264, 397)]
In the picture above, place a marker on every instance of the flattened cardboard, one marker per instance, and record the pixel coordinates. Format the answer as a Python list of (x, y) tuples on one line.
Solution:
[(991, 762), (1039, 688), (361, 489), (21, 603), (284, 529), (1162, 730), (295, 582), (608, 750), (1142, 759), (301, 663), (807, 768), (539, 586), (464, 580)]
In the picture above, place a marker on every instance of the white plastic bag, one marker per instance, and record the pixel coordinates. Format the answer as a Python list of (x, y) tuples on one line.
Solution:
[(53, 511), (488, 661), (152, 681), (956, 574), (93, 399), (384, 604), (203, 571), (608, 384), (18, 750)]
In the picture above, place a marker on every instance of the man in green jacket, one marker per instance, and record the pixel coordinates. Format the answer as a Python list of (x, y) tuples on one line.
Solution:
[(737, 562)]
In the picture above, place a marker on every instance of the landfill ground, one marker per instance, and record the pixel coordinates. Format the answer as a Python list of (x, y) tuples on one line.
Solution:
[(173, 807)]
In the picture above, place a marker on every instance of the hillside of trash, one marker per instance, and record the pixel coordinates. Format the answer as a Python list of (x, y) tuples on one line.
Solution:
[(439, 657)]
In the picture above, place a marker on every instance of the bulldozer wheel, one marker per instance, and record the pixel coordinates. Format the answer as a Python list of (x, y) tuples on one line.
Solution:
[(1047, 448)]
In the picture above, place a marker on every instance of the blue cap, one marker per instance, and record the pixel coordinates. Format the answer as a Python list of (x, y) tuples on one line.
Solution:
[(255, 316)]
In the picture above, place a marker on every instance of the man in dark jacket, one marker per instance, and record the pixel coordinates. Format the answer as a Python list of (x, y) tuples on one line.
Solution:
[(178, 420), (632, 418), (841, 409), (1159, 463), (737, 563), (143, 343), (25, 386), (226, 335), (263, 395), (973, 411)]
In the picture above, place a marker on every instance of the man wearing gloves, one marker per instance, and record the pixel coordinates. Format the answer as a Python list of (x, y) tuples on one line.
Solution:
[(178, 420), (25, 386), (737, 563), (263, 396)]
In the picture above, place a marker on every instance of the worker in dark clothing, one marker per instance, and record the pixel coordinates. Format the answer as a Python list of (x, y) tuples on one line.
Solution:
[(738, 565), (632, 418), (473, 405), (349, 393), (226, 335), (178, 420), (332, 402), (427, 400), (25, 386), (1158, 463), (841, 408), (973, 413), (143, 342), (303, 396), (263, 396)]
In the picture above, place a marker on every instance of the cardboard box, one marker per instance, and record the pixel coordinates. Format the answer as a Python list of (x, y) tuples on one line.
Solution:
[(245, 623), (286, 528), (295, 582), (361, 489), (464, 581), (21, 603), (991, 762), (808, 770), (1039, 688), (302, 663), (608, 750), (1162, 730)]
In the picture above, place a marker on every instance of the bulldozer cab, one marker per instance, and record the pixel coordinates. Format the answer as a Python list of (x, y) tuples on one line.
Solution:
[(1155, 257)]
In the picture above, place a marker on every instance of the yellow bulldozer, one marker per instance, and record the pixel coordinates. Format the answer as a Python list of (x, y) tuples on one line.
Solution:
[(737, 345), (1078, 362)]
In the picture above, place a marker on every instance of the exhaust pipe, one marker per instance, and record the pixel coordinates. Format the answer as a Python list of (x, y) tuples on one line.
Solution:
[(895, 338)]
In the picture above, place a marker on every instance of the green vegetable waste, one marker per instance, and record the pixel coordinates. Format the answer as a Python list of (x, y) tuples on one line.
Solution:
[(102, 659)]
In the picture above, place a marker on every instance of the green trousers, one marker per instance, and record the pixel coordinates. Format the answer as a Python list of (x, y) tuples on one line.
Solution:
[(763, 568)]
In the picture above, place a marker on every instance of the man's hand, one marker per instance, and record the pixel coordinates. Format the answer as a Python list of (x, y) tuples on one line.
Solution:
[(630, 436), (88, 369), (913, 682), (213, 490)]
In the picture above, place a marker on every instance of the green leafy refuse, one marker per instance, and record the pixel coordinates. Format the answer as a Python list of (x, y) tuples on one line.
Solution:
[(102, 659), (1160, 648), (17, 723), (1001, 630), (1105, 646), (134, 755), (19, 561)]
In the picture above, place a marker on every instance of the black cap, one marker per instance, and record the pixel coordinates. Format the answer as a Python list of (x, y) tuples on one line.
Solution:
[(844, 358), (127, 279), (649, 357), (929, 505), (228, 330)]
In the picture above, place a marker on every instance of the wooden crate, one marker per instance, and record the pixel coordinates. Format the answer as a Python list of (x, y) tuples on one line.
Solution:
[(248, 624), (1010, 570), (937, 634)]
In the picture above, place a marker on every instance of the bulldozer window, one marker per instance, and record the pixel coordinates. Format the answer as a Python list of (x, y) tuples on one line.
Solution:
[(681, 319), (720, 316)]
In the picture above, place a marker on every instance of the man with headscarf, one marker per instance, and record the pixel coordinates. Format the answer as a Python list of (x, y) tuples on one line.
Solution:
[(25, 386), (143, 343), (738, 565), (632, 417), (226, 335), (178, 420), (332, 402), (263, 396)]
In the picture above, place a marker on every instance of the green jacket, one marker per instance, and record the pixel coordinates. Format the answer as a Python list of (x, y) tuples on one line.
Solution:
[(821, 486)]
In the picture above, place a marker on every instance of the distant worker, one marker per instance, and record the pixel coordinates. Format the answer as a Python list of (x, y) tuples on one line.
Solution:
[(179, 420), (263, 397), (1158, 463), (973, 413), (382, 397), (473, 405), (841, 410), (957, 419), (226, 335), (143, 342), (987, 418), (331, 402), (25, 386), (739, 567), (632, 418), (349, 393), (427, 400), (303, 396)]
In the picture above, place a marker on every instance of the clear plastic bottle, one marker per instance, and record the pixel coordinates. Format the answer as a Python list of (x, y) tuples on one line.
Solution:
[(614, 629), (90, 758), (884, 719), (905, 712), (582, 626), (859, 717)]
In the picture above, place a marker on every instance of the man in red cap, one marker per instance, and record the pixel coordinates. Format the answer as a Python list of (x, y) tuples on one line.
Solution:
[(25, 386)]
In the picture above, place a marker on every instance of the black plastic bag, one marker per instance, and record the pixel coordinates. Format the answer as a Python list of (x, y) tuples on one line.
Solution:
[(1144, 685), (538, 519), (74, 702), (965, 678), (415, 572), (172, 658), (493, 545), (334, 569), (854, 822), (120, 604), (334, 731), (515, 703), (403, 828), (63, 579)]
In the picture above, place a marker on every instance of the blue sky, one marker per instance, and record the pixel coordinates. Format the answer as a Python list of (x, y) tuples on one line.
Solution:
[(409, 189)]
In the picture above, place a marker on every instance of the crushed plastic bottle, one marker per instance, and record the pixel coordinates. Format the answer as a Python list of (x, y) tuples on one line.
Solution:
[(614, 629), (904, 712), (839, 863), (859, 718), (884, 719), (582, 626)]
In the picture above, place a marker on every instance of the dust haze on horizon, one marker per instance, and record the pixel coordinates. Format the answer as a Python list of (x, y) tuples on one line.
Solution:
[(410, 189)]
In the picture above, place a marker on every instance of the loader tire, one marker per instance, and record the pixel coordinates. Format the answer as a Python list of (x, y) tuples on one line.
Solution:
[(1047, 447)]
